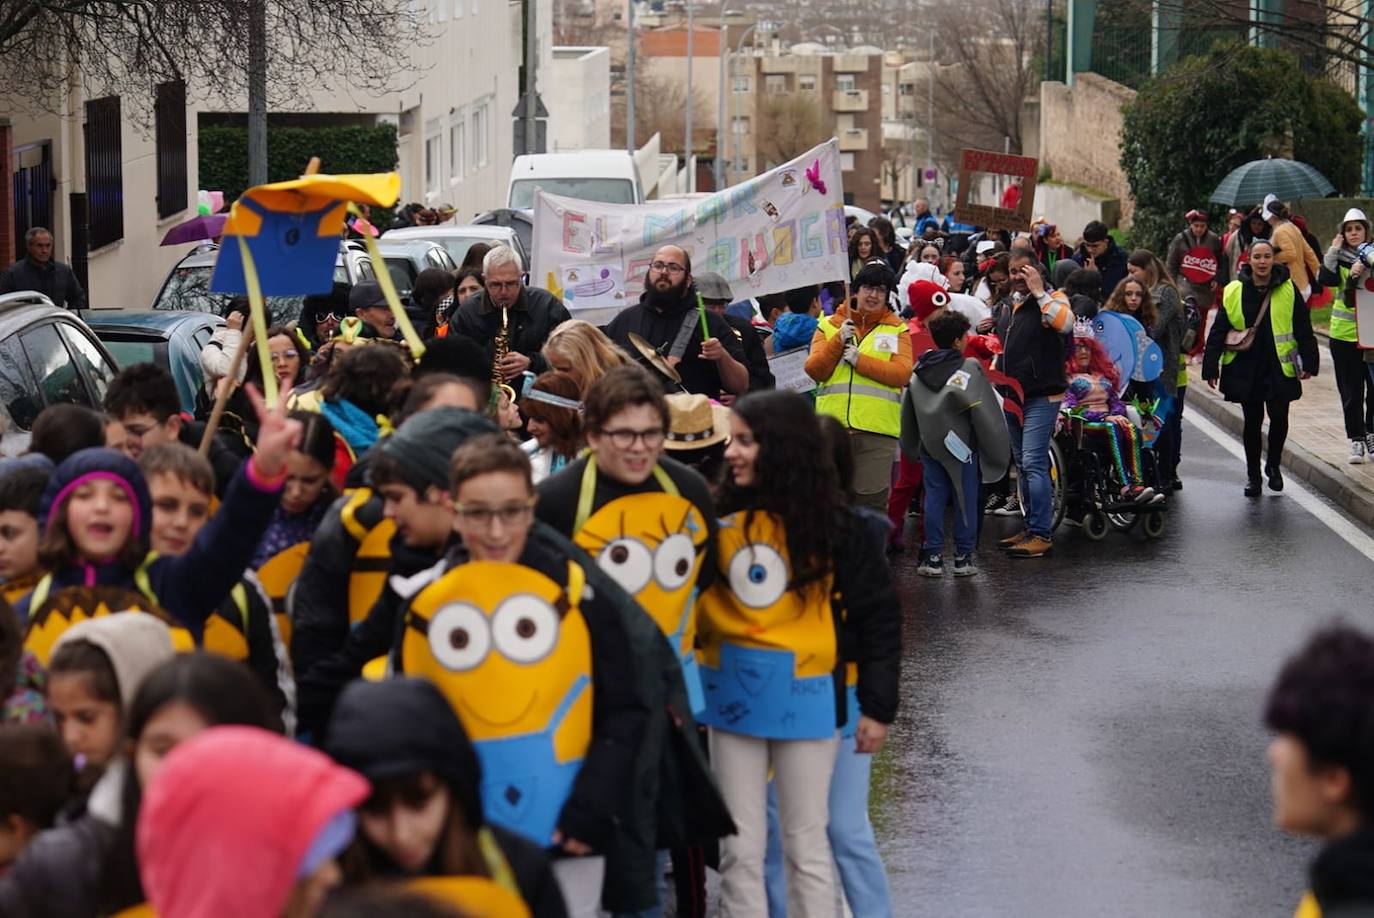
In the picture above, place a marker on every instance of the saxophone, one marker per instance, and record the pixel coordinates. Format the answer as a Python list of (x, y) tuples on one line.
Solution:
[(502, 342)]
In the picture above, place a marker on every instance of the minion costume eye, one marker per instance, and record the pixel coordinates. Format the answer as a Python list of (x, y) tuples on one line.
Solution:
[(525, 629), (459, 637), (629, 563), (758, 576), (675, 561)]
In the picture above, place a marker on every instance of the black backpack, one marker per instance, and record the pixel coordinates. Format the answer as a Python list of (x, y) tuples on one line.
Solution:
[(1192, 322)]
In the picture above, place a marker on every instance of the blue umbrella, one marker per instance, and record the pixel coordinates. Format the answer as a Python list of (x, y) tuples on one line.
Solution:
[(1286, 179)]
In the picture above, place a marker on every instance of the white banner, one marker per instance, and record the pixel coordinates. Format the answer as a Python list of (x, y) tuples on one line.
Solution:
[(779, 230)]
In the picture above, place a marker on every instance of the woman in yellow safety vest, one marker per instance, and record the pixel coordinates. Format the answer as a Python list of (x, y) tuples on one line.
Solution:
[(1263, 376), (1341, 269), (861, 361)]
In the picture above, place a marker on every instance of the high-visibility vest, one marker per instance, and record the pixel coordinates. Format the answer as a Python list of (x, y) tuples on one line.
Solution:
[(1342, 316), (857, 401), (1182, 370), (1280, 323)]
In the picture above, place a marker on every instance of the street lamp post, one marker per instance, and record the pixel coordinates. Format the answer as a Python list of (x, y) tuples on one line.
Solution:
[(722, 51), (630, 77), (687, 127)]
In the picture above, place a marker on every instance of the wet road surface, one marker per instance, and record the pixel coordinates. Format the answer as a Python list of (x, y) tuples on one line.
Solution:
[(1081, 734)]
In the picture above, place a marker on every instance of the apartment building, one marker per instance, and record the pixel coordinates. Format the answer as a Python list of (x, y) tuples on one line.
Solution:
[(453, 109), (781, 103)]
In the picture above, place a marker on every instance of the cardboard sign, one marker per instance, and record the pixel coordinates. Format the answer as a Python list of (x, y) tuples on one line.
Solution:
[(1364, 313), (789, 370), (989, 216), (1199, 265)]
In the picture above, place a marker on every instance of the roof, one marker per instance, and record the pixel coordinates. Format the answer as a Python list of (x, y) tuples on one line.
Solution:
[(405, 246), (23, 308), (582, 164), (466, 231), (671, 41), (164, 321)]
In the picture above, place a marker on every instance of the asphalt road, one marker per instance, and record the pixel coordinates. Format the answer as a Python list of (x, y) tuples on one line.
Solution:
[(1081, 734)]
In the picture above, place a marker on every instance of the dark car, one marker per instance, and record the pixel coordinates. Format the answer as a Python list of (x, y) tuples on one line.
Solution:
[(171, 339), (187, 287), (47, 355)]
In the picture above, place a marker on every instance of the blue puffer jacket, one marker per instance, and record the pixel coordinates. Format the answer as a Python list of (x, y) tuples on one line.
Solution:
[(189, 587)]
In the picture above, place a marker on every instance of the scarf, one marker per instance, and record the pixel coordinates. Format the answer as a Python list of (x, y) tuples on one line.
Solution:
[(358, 429)]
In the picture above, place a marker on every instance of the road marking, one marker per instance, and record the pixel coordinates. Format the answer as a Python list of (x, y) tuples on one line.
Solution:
[(1355, 537)]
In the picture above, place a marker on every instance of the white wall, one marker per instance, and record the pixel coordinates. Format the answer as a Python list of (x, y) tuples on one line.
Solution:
[(577, 93)]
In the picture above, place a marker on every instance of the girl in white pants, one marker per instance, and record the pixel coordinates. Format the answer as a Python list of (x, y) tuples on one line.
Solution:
[(794, 562)]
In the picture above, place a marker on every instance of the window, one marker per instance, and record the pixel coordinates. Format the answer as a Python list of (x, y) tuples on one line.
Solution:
[(16, 385), (740, 82), (169, 112), (479, 136), (742, 165), (844, 82), (57, 376), (104, 171), (847, 162), (457, 146), (906, 89), (457, 9), (434, 157), (739, 125), (806, 82), (438, 11), (775, 84), (98, 371)]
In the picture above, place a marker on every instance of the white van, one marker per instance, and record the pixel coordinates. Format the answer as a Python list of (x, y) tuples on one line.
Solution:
[(608, 176)]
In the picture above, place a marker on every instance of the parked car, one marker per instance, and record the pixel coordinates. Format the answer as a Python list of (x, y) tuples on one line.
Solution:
[(608, 176), (187, 287), (406, 258), (458, 239), (47, 355), (171, 339)]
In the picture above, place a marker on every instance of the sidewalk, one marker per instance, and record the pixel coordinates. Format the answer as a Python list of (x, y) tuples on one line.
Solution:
[(1317, 448)]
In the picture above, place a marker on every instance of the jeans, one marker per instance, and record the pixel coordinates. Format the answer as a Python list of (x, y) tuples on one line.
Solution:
[(861, 870), (660, 884), (1030, 446), (939, 496)]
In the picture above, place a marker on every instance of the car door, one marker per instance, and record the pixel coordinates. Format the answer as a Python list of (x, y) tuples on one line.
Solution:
[(54, 369), (18, 390)]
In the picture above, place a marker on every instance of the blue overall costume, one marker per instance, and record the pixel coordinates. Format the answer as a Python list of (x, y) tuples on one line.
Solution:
[(754, 693), (524, 787), (691, 670)]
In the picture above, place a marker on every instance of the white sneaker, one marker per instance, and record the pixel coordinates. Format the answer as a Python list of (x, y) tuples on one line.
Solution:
[(1357, 452)]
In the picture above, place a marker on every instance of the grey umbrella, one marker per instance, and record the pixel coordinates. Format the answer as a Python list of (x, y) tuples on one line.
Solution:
[(1287, 179)]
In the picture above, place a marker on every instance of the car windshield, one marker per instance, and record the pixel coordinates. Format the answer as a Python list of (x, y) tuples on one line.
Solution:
[(188, 288), (128, 353), (605, 190)]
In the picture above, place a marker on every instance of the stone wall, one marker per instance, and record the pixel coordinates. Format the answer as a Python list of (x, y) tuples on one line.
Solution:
[(1080, 135)]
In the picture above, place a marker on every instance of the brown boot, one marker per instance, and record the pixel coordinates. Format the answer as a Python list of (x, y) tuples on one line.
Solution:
[(1033, 547), (1013, 541)]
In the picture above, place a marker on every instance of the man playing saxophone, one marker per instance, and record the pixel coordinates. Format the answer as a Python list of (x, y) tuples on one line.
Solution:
[(526, 314)]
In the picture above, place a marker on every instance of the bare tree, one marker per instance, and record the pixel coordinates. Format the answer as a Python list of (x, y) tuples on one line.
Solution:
[(659, 104), (983, 71), (789, 124), (128, 46)]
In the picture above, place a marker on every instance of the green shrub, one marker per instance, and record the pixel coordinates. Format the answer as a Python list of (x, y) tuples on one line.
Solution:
[(1194, 123)]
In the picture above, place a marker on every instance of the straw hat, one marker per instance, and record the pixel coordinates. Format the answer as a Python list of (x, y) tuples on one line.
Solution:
[(695, 422)]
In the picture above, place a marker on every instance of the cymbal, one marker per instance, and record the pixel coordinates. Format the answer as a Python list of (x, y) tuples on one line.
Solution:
[(653, 358)]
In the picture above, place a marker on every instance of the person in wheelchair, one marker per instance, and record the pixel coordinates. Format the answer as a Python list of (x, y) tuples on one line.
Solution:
[(1092, 398)]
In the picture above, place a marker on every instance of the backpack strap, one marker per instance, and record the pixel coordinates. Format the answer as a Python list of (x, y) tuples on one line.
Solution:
[(501, 873), (587, 493)]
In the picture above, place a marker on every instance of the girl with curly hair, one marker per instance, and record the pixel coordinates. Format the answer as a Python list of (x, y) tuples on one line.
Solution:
[(1094, 383), (802, 591)]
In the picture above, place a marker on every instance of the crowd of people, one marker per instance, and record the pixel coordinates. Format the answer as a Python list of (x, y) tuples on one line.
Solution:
[(508, 625)]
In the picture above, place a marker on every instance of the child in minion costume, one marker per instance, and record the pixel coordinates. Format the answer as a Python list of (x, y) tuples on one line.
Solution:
[(551, 670)]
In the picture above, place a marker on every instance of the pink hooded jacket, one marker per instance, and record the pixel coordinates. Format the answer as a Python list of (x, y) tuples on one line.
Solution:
[(227, 821)]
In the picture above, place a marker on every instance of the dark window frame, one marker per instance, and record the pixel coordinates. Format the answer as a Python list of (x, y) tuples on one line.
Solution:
[(170, 130), (104, 171)]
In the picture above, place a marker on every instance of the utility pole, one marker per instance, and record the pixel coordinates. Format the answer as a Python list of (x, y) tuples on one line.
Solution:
[(723, 50), (257, 92), (930, 109), (630, 76), (531, 69), (1049, 40), (687, 128)]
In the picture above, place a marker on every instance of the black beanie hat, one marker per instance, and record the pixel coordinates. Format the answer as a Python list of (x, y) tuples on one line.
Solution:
[(424, 444)]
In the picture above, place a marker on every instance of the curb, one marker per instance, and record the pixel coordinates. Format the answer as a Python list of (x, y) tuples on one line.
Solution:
[(1317, 473)]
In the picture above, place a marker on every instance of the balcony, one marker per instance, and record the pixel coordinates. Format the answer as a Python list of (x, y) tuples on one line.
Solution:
[(853, 140), (851, 63), (852, 100), (783, 64)]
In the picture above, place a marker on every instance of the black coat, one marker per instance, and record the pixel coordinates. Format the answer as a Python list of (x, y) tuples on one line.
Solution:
[(54, 280), (1111, 265), (660, 329), (536, 313), (869, 615), (58, 875), (1343, 876), (1256, 375), (755, 357)]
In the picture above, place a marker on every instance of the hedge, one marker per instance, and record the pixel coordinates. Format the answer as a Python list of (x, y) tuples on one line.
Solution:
[(224, 154), (1194, 123)]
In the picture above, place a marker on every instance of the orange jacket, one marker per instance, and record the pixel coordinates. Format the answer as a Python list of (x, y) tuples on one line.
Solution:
[(825, 355)]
